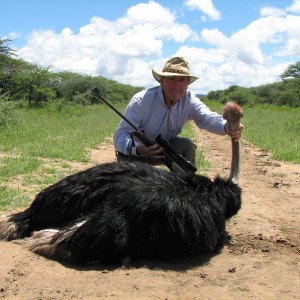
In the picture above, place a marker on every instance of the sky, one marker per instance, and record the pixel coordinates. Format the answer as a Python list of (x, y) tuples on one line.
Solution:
[(226, 42)]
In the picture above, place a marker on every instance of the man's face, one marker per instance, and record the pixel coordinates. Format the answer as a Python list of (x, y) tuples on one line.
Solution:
[(174, 87)]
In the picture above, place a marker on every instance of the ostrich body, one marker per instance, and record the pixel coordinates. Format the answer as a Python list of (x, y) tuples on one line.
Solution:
[(123, 209)]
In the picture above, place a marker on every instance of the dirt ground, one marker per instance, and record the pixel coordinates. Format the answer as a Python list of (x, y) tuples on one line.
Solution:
[(261, 261)]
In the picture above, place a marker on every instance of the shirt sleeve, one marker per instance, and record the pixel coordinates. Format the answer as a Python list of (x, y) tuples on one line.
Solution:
[(123, 138), (207, 119)]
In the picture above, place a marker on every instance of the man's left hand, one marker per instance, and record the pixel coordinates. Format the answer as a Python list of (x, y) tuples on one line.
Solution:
[(236, 133)]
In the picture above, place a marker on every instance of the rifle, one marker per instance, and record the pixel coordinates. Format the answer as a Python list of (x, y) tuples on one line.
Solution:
[(172, 158)]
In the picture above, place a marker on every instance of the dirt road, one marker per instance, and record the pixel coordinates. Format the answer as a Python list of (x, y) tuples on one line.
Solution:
[(261, 262)]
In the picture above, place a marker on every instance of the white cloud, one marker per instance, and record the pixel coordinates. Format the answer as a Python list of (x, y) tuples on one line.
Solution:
[(13, 35), (246, 57), (292, 45), (295, 7), (205, 6), (271, 11), (113, 49), (127, 48), (156, 14)]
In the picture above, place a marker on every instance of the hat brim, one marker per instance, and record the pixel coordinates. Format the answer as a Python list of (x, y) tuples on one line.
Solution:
[(158, 75)]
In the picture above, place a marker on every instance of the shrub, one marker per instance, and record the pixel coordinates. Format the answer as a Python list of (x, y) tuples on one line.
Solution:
[(6, 110)]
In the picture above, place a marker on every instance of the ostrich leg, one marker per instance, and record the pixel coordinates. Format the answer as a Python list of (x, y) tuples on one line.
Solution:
[(233, 113)]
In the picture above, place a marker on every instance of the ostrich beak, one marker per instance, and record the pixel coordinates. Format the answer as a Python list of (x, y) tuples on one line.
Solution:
[(233, 113)]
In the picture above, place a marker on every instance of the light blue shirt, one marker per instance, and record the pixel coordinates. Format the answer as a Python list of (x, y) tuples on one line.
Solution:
[(148, 112)]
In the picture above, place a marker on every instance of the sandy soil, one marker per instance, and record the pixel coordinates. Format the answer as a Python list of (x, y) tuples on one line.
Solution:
[(261, 261)]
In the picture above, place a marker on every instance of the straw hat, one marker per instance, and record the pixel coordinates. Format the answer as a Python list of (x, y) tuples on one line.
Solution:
[(175, 66)]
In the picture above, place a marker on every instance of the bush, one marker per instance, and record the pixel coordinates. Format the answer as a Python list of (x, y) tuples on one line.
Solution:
[(83, 98), (6, 111), (42, 95)]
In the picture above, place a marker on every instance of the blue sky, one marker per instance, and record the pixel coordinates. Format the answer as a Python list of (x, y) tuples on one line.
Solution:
[(243, 42)]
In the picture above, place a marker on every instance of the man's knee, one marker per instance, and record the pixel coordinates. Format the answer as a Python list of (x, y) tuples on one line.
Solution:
[(186, 147)]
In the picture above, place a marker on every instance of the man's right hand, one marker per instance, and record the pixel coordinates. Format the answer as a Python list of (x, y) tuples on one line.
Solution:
[(153, 151)]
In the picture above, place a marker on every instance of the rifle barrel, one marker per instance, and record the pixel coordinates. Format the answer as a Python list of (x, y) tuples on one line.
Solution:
[(97, 93)]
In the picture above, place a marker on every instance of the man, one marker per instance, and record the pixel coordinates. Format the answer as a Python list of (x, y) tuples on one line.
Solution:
[(164, 110)]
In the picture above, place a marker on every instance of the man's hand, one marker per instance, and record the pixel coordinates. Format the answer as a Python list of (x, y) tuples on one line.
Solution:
[(236, 133), (153, 151)]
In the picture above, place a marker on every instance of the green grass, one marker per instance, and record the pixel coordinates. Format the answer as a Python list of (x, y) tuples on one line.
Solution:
[(12, 166), (272, 128), (11, 199), (47, 134), (276, 130), (44, 133), (202, 164)]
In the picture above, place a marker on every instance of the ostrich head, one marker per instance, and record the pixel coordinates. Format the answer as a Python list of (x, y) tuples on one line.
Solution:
[(233, 113)]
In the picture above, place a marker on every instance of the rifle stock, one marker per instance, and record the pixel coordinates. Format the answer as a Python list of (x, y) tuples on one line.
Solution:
[(172, 158)]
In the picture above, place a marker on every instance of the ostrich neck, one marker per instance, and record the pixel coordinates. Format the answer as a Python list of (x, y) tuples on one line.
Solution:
[(233, 113), (235, 160)]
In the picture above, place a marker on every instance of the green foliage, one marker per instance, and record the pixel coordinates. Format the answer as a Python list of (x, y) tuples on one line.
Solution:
[(5, 49), (279, 93), (237, 94), (34, 84), (7, 114), (22, 80), (71, 85), (77, 88), (214, 95), (39, 86), (289, 97), (84, 98), (293, 71), (9, 69)]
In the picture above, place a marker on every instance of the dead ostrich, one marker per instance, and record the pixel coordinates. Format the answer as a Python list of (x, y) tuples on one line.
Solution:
[(122, 210)]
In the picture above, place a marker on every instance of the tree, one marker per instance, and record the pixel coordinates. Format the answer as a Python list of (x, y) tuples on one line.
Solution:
[(34, 83), (5, 50), (293, 71), (8, 66), (214, 95)]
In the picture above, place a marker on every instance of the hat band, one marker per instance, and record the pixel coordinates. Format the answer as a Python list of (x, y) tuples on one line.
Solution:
[(176, 71)]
